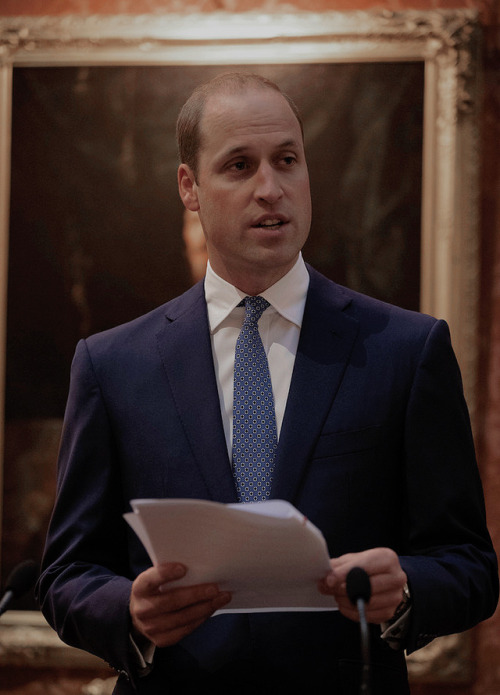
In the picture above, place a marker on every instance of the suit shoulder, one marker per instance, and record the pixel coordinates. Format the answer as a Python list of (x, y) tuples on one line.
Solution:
[(362, 305), (364, 308), (124, 332), (145, 327)]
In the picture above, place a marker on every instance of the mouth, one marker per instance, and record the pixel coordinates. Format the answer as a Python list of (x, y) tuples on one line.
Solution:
[(271, 223)]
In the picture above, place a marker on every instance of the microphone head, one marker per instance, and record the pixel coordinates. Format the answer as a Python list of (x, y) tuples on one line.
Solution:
[(22, 578), (358, 585)]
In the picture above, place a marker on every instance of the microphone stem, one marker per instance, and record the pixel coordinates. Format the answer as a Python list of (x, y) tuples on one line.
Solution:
[(365, 648), (6, 599)]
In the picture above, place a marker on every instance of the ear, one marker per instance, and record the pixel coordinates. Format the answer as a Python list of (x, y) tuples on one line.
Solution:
[(188, 189)]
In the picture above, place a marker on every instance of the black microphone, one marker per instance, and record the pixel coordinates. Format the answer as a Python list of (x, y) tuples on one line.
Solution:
[(19, 582), (359, 591)]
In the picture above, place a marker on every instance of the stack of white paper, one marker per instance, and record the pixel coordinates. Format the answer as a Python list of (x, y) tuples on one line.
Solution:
[(267, 554)]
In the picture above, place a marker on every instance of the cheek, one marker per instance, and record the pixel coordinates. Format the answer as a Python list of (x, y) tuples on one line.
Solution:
[(215, 202), (216, 221), (300, 192), (306, 195), (305, 208)]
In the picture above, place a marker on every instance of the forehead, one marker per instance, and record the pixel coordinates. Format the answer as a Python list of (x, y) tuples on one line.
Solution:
[(231, 119)]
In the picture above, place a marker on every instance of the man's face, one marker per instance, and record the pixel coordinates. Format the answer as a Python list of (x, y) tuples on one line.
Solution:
[(252, 191)]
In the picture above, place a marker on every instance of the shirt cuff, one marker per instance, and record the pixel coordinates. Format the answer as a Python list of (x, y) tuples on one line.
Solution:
[(143, 655), (395, 631)]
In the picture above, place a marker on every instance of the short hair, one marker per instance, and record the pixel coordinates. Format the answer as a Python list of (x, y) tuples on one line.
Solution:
[(188, 129)]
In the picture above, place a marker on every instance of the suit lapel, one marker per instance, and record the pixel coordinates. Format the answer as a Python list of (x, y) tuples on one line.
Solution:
[(325, 345), (326, 341), (186, 352)]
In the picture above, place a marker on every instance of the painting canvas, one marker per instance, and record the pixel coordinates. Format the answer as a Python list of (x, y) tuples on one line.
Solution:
[(98, 234)]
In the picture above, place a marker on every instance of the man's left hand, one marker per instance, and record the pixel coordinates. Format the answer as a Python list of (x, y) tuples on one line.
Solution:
[(387, 580)]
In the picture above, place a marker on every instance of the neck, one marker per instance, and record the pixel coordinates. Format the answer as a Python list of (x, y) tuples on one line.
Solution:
[(253, 283)]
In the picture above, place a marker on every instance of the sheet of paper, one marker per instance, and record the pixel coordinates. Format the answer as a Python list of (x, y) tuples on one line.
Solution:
[(266, 553)]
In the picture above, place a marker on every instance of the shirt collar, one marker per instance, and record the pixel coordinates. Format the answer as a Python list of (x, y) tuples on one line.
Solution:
[(287, 296)]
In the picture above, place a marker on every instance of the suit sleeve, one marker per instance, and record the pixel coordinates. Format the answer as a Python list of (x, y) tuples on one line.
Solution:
[(84, 587), (451, 564)]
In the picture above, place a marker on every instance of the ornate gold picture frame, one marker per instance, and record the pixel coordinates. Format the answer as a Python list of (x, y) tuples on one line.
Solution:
[(444, 42)]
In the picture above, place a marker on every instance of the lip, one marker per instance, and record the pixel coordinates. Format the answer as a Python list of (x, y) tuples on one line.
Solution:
[(274, 217)]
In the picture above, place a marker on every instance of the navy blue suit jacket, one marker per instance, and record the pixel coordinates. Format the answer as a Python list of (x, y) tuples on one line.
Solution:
[(375, 449)]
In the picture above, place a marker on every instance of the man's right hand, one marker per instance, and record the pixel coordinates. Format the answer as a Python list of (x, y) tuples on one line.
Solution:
[(164, 614)]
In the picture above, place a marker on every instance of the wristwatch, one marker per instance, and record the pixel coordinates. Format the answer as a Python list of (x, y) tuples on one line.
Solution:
[(404, 605), (394, 631)]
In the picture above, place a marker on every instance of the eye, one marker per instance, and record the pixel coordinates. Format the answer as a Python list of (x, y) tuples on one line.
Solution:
[(238, 165), (289, 160)]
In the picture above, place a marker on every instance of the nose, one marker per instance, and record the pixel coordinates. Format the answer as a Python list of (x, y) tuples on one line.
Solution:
[(267, 184)]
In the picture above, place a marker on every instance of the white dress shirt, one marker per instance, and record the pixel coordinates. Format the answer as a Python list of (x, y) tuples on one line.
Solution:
[(279, 328)]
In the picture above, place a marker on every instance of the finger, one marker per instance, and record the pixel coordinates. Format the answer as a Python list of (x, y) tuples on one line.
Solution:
[(149, 581), (168, 638), (386, 583), (381, 564), (375, 617), (179, 598), (376, 611), (373, 561), (171, 637), (168, 628), (187, 615), (380, 584), (145, 607), (380, 607)]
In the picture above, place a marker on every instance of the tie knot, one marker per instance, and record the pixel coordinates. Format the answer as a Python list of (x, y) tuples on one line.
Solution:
[(254, 308)]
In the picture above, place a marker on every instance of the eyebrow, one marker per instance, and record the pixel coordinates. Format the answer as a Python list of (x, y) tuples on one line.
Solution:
[(241, 149)]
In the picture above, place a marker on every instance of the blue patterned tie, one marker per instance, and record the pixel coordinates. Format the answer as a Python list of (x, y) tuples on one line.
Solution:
[(254, 421)]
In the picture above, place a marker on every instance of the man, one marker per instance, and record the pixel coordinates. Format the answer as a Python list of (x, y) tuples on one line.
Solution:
[(371, 442)]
